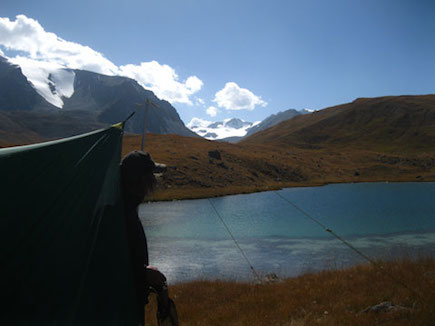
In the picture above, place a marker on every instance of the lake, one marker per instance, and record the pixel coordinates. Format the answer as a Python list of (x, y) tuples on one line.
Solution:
[(187, 239)]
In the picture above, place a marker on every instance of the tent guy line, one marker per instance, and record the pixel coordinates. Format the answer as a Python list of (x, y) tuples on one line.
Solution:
[(370, 260), (235, 241), (327, 229)]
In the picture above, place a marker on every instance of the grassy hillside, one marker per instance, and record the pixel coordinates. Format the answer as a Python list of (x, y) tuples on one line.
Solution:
[(378, 139), (392, 124), (330, 298)]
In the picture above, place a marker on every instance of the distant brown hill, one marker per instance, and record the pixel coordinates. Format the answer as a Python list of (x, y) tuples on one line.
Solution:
[(368, 140), (393, 123)]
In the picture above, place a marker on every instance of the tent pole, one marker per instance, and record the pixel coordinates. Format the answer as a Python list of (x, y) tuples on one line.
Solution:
[(144, 123)]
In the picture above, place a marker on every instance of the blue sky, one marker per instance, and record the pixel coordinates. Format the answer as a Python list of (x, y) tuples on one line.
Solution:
[(245, 59)]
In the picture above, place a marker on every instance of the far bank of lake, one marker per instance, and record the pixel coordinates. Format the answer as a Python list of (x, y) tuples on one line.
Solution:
[(188, 241)]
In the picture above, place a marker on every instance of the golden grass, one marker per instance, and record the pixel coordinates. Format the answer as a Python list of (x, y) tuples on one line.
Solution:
[(326, 298), (251, 168)]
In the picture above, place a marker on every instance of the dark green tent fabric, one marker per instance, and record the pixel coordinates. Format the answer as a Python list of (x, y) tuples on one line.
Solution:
[(63, 244)]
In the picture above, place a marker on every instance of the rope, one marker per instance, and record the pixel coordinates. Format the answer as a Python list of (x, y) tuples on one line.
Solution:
[(374, 263), (235, 241), (328, 230)]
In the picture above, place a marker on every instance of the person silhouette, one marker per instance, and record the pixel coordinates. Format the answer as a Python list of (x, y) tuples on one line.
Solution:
[(138, 180)]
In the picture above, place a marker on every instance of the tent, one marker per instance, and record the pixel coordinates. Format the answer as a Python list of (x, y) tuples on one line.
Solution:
[(63, 244)]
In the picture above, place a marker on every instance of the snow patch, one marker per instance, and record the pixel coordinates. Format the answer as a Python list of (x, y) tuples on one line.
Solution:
[(51, 80), (305, 111)]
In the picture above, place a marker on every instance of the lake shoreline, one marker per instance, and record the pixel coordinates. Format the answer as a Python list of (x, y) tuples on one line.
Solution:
[(190, 194)]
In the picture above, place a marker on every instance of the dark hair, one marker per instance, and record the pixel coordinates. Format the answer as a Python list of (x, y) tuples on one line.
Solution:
[(136, 164), (137, 178)]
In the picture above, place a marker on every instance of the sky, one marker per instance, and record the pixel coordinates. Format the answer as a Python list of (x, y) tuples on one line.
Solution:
[(248, 59)]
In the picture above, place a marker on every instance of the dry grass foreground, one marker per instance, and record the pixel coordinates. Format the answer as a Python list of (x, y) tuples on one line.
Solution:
[(193, 173), (327, 298)]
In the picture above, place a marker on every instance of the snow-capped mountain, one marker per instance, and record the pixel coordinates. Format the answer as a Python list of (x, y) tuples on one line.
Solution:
[(57, 102), (233, 130), (222, 129)]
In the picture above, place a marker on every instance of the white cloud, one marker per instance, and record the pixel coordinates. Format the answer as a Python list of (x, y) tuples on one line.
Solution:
[(2, 53), (163, 81), (194, 84), (29, 37), (196, 123), (212, 111), (232, 97)]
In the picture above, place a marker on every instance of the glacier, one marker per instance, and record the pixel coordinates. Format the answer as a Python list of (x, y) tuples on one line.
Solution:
[(51, 80)]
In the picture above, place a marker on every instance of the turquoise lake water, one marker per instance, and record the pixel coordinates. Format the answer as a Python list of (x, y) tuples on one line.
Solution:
[(188, 241)]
